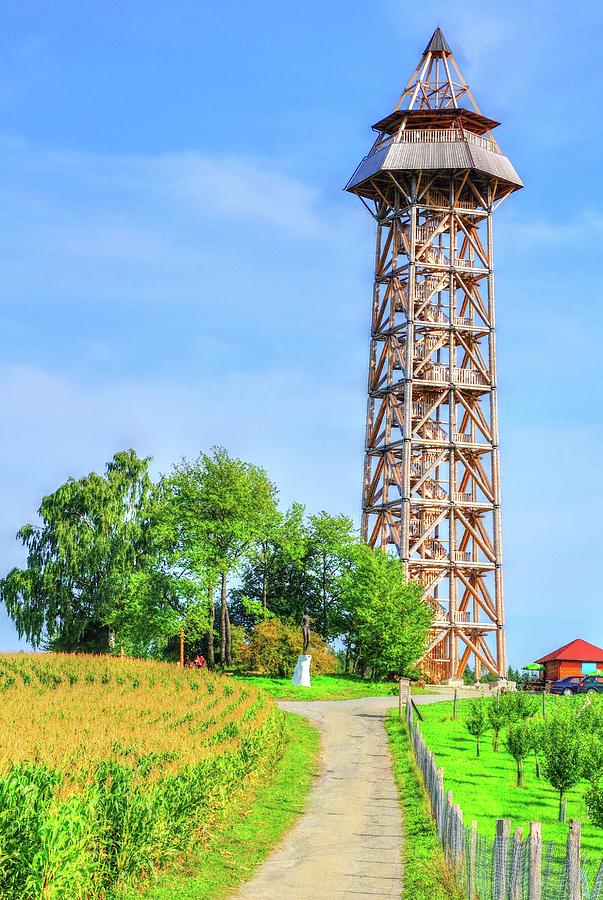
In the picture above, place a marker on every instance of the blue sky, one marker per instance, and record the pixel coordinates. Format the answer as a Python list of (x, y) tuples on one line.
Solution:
[(180, 267)]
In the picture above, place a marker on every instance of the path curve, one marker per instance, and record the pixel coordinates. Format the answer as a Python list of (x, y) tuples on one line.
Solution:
[(348, 841)]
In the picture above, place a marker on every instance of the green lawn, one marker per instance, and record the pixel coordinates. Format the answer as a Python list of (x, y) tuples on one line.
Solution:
[(486, 788), (426, 873), (325, 687), (249, 829)]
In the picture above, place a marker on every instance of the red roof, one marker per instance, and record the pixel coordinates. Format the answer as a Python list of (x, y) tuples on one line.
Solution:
[(578, 650)]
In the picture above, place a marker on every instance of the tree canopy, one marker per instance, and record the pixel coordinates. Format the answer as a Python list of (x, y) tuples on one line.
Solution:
[(118, 562), (95, 541)]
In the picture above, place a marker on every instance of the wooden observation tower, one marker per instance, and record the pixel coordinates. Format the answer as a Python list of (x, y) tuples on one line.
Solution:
[(432, 180)]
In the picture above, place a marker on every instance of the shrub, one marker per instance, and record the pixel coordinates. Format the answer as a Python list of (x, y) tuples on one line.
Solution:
[(275, 645)]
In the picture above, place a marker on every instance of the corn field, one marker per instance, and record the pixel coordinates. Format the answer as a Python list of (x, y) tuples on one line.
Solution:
[(110, 767)]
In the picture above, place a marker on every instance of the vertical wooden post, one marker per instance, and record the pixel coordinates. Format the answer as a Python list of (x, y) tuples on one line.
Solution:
[(403, 693), (572, 861), (515, 892), (472, 885), (501, 851), (454, 704), (535, 851), (182, 648), (543, 703)]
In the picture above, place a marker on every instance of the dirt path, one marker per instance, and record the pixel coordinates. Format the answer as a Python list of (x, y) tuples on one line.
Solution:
[(349, 839)]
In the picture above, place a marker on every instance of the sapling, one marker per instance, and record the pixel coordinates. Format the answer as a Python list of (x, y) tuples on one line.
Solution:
[(497, 716), (477, 722), (519, 744), (564, 753)]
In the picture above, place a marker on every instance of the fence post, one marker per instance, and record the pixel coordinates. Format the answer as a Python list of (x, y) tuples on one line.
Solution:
[(448, 823), (459, 835), (501, 850), (572, 861), (403, 693), (535, 851), (515, 891), (472, 886)]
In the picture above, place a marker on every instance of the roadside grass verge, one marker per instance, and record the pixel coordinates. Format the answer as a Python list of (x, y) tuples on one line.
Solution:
[(426, 873), (325, 687), (485, 787), (236, 845)]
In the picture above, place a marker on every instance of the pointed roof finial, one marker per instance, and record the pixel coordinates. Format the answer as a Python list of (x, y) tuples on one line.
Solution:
[(437, 82), (438, 44)]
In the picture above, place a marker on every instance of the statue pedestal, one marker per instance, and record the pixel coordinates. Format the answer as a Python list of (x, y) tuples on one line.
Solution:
[(301, 675)]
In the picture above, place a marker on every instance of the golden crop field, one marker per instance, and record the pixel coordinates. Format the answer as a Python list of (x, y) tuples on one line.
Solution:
[(109, 767)]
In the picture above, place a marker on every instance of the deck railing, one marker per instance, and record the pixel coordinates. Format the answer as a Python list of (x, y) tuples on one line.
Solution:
[(437, 136)]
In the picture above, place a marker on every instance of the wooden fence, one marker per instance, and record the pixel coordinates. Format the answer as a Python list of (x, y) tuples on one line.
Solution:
[(508, 866)]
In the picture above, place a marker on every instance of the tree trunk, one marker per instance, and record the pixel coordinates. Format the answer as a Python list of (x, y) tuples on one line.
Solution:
[(477, 746), (265, 582), (211, 661), (347, 654), (520, 773), (228, 637), (325, 608), (223, 622)]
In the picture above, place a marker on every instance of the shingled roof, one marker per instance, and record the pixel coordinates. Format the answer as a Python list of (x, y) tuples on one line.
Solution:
[(578, 651)]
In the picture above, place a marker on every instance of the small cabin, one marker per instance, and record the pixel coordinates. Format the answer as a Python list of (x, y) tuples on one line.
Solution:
[(576, 658)]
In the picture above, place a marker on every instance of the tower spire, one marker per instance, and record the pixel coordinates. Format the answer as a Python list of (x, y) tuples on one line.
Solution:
[(437, 82), (438, 44)]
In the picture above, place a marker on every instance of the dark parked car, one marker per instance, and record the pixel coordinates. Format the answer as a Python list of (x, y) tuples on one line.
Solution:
[(567, 686), (592, 684)]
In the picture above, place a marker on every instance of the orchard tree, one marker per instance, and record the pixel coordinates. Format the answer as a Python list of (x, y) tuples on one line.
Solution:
[(564, 750), (519, 744), (96, 545), (476, 722), (498, 717), (389, 620)]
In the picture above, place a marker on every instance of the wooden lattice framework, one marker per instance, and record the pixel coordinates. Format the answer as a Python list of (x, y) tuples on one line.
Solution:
[(432, 180)]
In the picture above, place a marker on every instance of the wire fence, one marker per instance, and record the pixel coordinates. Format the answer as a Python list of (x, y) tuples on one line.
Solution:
[(508, 866)]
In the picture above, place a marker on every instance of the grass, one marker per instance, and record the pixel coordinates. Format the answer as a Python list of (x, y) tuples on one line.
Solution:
[(486, 788), (426, 873), (254, 824), (325, 687)]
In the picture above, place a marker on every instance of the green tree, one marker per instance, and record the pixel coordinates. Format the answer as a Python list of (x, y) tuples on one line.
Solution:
[(90, 561), (389, 619), (564, 753), (476, 722), (519, 743), (330, 541), (275, 579), (497, 716), (223, 508), (519, 705)]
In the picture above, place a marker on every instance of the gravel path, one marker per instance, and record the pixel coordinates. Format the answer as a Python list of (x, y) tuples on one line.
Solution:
[(348, 842)]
